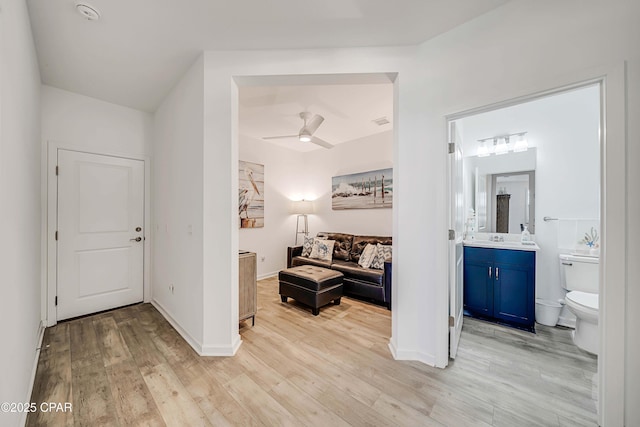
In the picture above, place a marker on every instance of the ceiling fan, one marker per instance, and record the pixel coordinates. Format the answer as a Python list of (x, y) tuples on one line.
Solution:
[(311, 124)]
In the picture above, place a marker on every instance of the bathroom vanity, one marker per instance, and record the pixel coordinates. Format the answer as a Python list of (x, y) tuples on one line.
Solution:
[(499, 282)]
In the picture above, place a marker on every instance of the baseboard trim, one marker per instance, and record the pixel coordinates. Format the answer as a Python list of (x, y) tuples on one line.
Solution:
[(32, 380), (194, 343), (222, 351), (202, 350), (427, 359), (268, 275)]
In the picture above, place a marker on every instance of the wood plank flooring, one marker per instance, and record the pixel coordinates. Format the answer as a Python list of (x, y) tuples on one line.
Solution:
[(130, 367)]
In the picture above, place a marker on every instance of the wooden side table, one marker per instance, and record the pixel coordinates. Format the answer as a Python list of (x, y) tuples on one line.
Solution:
[(247, 286)]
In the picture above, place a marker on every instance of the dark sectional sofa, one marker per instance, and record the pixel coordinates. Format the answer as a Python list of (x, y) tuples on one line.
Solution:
[(368, 283)]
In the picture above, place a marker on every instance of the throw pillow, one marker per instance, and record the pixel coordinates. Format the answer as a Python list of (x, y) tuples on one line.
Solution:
[(322, 250), (307, 245), (383, 253), (368, 254)]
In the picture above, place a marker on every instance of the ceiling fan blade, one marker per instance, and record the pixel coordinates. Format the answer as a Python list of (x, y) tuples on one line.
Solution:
[(280, 137), (314, 123), (321, 142)]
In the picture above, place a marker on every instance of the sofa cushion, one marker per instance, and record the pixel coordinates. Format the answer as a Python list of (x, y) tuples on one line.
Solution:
[(361, 242), (383, 253), (342, 247), (322, 250), (303, 260), (352, 270), (368, 255), (307, 245)]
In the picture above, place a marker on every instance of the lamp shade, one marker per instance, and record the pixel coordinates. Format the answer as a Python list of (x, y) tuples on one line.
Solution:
[(302, 207)]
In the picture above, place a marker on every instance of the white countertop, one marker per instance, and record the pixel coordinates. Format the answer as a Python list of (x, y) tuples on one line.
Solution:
[(512, 245)]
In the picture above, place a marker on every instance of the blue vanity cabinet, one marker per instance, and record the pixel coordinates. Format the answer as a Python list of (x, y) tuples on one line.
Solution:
[(499, 284), (514, 291), (478, 282)]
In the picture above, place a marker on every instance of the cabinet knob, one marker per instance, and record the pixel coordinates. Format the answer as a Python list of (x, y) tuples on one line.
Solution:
[(490, 271), (497, 273)]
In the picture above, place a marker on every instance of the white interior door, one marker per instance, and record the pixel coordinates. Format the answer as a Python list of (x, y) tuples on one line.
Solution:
[(456, 223), (100, 233)]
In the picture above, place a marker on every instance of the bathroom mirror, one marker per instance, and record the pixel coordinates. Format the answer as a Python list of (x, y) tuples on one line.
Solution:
[(505, 192), (512, 203)]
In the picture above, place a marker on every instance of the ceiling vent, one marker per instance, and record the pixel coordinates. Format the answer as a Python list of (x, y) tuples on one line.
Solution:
[(381, 121), (87, 11)]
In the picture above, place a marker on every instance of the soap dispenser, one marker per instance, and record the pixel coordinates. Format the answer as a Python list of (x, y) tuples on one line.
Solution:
[(526, 236)]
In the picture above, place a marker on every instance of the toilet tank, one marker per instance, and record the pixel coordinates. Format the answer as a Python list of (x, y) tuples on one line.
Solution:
[(580, 273)]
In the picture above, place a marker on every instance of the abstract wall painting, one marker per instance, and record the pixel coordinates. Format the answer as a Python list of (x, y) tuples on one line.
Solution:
[(365, 190), (251, 194)]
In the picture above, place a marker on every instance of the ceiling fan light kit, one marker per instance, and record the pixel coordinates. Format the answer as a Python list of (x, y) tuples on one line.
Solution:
[(304, 137)]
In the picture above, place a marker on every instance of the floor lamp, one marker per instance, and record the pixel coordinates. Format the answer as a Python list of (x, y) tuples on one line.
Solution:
[(302, 208)]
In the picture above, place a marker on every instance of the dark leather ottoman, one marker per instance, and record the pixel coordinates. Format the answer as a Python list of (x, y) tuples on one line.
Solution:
[(311, 285)]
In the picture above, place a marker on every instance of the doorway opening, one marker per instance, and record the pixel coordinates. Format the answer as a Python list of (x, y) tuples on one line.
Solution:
[(96, 221), (554, 140), (355, 135)]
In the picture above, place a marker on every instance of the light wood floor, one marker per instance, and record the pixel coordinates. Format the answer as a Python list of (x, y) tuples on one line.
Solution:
[(129, 367)]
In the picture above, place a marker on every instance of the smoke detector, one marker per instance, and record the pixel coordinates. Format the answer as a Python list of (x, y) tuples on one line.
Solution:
[(87, 11)]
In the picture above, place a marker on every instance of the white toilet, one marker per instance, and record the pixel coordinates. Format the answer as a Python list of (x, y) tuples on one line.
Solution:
[(581, 279)]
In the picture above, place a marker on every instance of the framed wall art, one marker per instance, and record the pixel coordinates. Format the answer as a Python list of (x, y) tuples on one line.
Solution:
[(251, 194), (364, 190)]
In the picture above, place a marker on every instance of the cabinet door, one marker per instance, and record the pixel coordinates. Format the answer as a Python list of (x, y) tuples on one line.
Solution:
[(514, 292), (247, 293), (478, 287)]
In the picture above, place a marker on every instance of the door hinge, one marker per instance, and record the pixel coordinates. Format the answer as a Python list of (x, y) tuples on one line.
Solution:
[(452, 234), (56, 302), (57, 170), (451, 321), (452, 147), (56, 234)]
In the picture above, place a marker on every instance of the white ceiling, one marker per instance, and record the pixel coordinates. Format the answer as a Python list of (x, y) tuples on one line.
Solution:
[(138, 50), (348, 110)]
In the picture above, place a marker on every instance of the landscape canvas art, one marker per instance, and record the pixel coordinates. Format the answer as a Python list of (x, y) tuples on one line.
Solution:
[(365, 190), (251, 194)]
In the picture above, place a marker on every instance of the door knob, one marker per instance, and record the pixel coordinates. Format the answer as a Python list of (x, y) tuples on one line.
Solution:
[(137, 239)]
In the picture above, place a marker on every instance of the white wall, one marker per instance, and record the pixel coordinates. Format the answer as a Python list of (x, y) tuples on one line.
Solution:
[(285, 180), (19, 207), (632, 368), (363, 154), (177, 205), (94, 125)]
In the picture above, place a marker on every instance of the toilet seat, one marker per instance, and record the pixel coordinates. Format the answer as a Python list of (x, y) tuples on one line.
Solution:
[(584, 301)]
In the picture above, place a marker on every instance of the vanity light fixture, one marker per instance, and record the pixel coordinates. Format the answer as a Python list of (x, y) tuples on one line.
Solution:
[(521, 143), (483, 151), (501, 144)]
